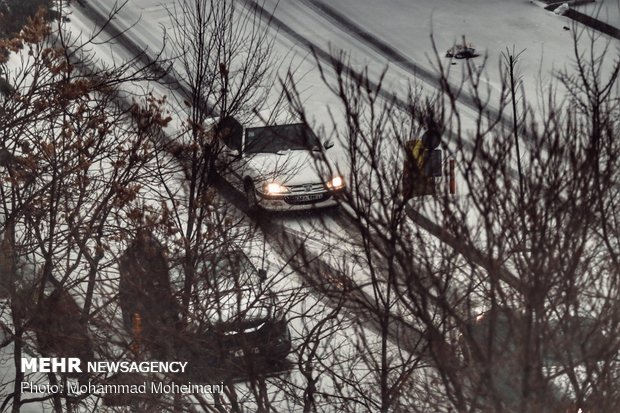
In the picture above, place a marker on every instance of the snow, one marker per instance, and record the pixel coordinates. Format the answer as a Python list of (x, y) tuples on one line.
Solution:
[(494, 27), (560, 11)]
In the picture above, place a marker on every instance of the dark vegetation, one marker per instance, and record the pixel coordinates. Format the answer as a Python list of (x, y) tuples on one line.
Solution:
[(15, 13)]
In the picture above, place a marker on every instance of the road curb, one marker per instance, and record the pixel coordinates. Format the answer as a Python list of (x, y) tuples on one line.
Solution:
[(593, 23), (573, 14)]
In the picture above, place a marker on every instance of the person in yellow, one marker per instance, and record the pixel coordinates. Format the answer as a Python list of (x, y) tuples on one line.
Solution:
[(415, 181)]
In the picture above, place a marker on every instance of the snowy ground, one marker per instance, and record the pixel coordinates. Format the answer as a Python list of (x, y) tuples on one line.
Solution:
[(494, 27), (301, 318)]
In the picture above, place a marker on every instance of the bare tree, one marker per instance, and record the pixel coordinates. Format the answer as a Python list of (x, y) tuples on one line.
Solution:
[(73, 158), (500, 298), (510, 292)]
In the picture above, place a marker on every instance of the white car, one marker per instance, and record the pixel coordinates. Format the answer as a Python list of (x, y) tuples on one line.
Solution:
[(279, 168)]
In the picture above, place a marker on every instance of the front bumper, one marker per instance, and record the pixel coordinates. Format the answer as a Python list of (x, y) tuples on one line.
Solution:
[(273, 348), (299, 201), (218, 354)]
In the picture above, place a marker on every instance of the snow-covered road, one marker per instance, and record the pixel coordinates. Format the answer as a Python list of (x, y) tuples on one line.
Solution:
[(395, 33)]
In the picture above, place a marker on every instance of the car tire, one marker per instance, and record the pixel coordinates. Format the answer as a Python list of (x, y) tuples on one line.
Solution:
[(250, 196)]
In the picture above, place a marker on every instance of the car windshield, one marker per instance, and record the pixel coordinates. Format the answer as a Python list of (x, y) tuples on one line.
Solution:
[(274, 139), (229, 290), (231, 272)]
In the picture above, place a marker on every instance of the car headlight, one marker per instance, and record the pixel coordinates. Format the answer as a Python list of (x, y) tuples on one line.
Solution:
[(336, 182), (272, 188)]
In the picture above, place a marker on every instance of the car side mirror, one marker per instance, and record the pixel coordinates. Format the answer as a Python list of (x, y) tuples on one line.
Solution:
[(328, 144), (233, 153), (262, 274)]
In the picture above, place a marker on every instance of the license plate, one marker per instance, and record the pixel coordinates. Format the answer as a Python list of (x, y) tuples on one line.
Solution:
[(241, 353), (303, 198)]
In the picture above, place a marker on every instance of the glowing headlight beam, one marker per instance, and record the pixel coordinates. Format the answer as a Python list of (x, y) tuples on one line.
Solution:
[(336, 182), (274, 188)]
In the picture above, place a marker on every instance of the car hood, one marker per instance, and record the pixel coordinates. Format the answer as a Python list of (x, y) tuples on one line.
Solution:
[(289, 167)]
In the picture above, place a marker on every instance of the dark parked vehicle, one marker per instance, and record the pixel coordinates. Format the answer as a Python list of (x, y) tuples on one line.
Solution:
[(233, 319), (236, 322)]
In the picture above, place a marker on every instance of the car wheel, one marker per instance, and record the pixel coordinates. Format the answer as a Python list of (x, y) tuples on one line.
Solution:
[(250, 196)]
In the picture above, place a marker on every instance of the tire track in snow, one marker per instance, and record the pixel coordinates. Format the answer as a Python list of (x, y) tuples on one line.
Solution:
[(320, 53), (326, 282), (168, 75), (348, 26)]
